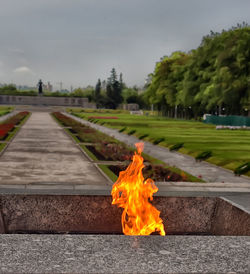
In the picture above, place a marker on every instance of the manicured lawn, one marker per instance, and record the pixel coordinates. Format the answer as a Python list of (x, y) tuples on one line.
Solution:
[(2, 146), (230, 148), (5, 110)]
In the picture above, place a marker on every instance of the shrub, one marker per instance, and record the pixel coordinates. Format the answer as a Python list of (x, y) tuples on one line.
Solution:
[(176, 146), (158, 140), (143, 136), (114, 152), (122, 129), (65, 120), (131, 132), (103, 117), (7, 126), (242, 169), (16, 119), (203, 155)]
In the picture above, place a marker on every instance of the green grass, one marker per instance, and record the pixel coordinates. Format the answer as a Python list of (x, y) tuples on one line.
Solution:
[(108, 172), (2, 146), (5, 110), (230, 148), (12, 134)]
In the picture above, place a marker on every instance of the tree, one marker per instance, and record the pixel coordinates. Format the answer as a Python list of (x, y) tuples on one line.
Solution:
[(113, 90), (88, 92), (97, 90), (209, 79)]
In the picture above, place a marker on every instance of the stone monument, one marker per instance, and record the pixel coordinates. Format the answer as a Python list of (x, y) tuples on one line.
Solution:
[(40, 87)]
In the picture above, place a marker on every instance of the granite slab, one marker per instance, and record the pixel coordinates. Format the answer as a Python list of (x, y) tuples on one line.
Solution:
[(123, 254)]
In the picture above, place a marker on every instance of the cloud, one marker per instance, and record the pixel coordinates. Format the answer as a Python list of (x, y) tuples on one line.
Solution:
[(79, 41), (24, 70), (16, 50), (1, 68)]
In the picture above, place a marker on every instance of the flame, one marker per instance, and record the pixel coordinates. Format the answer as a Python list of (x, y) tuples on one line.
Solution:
[(132, 193)]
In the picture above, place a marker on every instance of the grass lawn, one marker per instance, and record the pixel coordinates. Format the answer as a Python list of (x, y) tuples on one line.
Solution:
[(230, 148), (2, 146), (5, 110)]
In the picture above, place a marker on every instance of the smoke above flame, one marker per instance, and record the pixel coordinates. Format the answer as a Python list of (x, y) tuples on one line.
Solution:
[(132, 193)]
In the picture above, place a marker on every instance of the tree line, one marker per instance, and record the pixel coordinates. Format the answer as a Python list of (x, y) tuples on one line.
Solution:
[(108, 93), (113, 92), (214, 78)]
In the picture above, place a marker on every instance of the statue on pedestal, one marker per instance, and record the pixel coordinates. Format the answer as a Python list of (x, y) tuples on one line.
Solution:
[(40, 87)]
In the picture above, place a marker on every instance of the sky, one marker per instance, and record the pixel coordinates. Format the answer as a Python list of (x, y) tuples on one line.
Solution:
[(78, 41)]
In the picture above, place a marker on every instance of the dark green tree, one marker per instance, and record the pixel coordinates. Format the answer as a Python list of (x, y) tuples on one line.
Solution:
[(114, 90), (214, 78), (97, 90)]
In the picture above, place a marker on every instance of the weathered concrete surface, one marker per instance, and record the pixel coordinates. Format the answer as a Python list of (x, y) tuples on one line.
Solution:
[(95, 214), (210, 173), (42, 153), (123, 254), (44, 100), (230, 220)]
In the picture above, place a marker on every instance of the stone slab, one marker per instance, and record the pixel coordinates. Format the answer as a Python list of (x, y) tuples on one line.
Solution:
[(43, 153), (96, 214), (123, 254)]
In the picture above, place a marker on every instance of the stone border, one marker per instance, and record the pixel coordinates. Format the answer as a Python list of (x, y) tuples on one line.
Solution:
[(96, 214), (123, 254)]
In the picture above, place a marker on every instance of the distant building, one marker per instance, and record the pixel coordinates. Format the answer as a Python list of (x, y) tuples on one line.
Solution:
[(131, 107), (64, 91), (24, 87), (49, 87)]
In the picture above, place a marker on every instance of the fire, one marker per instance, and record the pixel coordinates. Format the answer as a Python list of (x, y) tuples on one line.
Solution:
[(132, 193)]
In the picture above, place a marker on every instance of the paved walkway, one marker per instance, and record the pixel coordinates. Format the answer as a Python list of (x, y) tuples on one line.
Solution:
[(42, 153), (209, 172)]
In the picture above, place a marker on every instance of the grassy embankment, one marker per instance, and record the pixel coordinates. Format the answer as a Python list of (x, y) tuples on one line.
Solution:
[(5, 110), (230, 148)]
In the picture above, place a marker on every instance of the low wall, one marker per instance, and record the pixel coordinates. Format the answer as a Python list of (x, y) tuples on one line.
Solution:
[(45, 100), (95, 214)]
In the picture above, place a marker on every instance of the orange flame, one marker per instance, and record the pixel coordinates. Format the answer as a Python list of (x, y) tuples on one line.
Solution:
[(132, 193)]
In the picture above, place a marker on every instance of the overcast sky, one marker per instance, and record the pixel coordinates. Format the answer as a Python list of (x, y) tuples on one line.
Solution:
[(79, 41)]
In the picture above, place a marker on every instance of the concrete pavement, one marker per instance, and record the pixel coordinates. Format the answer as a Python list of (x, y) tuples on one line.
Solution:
[(42, 153)]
